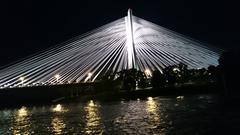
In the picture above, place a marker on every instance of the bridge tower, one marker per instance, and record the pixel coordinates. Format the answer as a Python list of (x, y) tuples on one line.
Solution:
[(131, 53)]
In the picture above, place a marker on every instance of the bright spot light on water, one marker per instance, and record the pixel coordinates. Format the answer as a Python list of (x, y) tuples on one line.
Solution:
[(58, 108), (58, 125), (180, 97), (91, 104), (22, 122), (150, 98), (151, 106), (93, 117), (22, 112)]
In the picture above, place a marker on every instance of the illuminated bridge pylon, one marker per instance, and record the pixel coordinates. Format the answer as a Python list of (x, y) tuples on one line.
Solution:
[(129, 42)]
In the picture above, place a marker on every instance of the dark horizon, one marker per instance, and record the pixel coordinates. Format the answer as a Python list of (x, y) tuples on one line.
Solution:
[(30, 26)]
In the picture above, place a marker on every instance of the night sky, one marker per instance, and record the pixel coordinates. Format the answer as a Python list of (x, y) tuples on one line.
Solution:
[(28, 26)]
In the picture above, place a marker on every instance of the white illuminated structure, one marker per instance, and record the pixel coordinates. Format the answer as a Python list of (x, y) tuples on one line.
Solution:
[(127, 43), (130, 41), (21, 79), (148, 73), (57, 76), (88, 78)]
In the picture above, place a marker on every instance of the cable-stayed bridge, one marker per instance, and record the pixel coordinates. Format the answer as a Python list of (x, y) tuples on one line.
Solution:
[(127, 43)]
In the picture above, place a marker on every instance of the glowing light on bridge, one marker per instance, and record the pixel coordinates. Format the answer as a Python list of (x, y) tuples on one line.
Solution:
[(129, 42), (89, 75), (148, 73), (175, 70), (57, 76), (21, 78)]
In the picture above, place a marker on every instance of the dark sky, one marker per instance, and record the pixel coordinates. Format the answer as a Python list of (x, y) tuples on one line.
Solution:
[(28, 26)]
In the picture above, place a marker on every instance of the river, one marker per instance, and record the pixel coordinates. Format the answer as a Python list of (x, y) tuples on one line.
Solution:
[(196, 114)]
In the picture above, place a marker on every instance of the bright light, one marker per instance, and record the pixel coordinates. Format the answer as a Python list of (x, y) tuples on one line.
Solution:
[(91, 104), (57, 76), (138, 100), (58, 125), (22, 112), (148, 73), (58, 108), (89, 75), (175, 70), (21, 78), (130, 41), (92, 117), (180, 97), (151, 107), (150, 98)]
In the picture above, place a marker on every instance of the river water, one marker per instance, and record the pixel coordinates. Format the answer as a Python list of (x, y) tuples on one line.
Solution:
[(197, 114)]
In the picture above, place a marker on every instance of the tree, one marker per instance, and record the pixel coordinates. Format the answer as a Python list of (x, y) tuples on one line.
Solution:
[(158, 79)]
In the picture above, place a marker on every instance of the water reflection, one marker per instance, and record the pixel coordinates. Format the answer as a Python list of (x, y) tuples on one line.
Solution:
[(22, 122), (59, 108), (156, 115), (179, 98), (151, 105), (93, 119), (22, 112), (152, 109), (57, 125)]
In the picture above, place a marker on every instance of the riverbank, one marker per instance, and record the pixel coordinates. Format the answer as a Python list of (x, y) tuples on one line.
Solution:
[(146, 92), (60, 94)]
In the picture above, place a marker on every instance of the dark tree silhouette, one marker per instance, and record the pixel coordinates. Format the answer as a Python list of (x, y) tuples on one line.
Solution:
[(158, 79)]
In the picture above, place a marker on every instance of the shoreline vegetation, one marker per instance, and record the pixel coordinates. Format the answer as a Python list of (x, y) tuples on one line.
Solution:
[(18, 100), (175, 80)]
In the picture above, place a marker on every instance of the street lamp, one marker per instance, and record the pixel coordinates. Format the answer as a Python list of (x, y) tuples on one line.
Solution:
[(21, 79), (57, 76), (89, 76), (175, 70), (148, 73)]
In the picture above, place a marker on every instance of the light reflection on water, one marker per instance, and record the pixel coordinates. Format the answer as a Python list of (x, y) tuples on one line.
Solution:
[(93, 118), (59, 108), (152, 108), (22, 124), (57, 125), (150, 115)]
